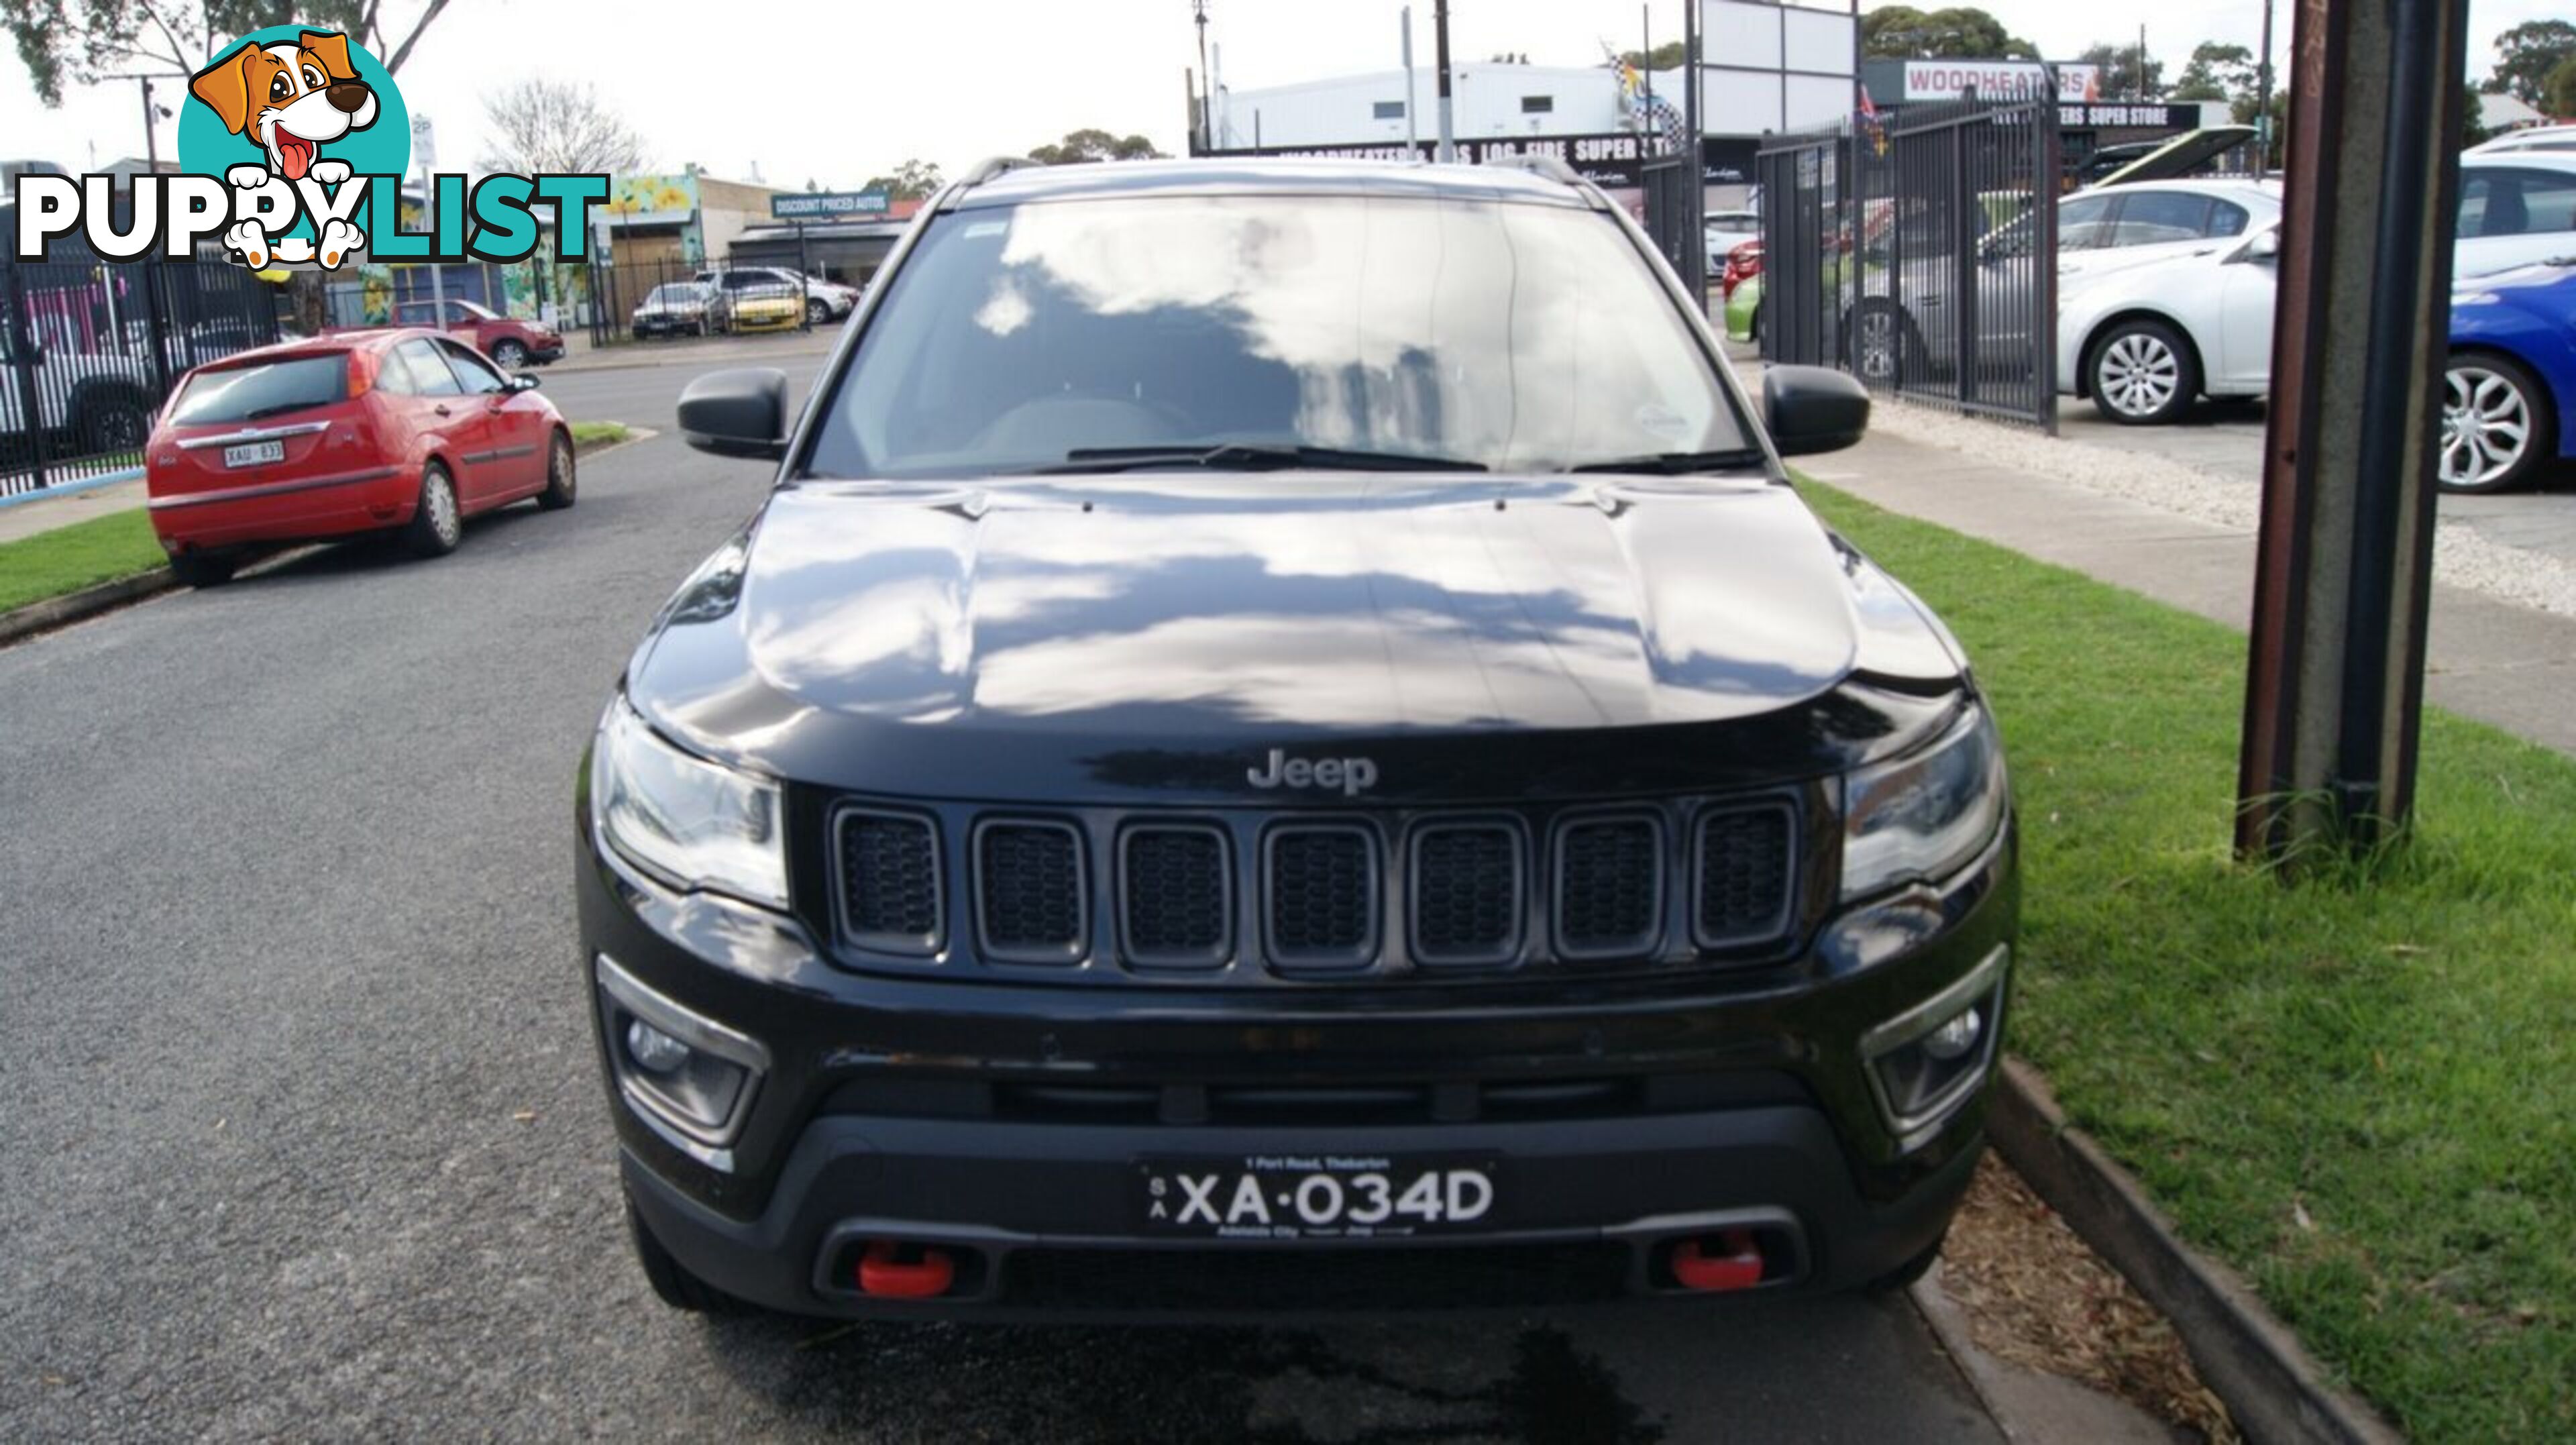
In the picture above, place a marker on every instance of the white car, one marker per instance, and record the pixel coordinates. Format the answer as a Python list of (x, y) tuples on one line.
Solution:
[(2146, 340), (824, 300), (1726, 230), (2560, 138)]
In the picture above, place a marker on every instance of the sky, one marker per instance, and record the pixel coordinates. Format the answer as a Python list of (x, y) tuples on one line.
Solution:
[(837, 91)]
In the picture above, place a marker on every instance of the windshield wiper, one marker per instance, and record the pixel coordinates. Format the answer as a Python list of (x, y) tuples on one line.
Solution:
[(1252, 457), (1673, 464), (260, 413)]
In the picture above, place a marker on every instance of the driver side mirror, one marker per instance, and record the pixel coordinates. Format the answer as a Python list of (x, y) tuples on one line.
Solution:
[(1811, 409), (2265, 247), (740, 413)]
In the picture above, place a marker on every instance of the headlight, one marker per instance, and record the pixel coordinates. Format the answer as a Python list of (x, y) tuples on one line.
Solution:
[(696, 824), (1925, 815)]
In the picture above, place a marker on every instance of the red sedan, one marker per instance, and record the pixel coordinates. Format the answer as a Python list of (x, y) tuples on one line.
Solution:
[(401, 431)]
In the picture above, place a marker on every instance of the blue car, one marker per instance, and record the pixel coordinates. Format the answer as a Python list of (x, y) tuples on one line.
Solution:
[(2512, 377)]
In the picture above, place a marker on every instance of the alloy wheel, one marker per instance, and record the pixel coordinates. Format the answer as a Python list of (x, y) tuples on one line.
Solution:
[(2138, 374), (2486, 426), (511, 355), (1876, 346)]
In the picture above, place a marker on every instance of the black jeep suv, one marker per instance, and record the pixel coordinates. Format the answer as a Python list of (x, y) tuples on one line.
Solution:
[(1284, 742)]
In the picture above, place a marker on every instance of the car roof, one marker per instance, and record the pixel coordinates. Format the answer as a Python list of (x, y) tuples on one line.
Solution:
[(2552, 160), (1267, 176), (2234, 190), (352, 339)]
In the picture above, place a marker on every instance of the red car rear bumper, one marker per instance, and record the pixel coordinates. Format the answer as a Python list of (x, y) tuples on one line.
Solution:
[(296, 509)]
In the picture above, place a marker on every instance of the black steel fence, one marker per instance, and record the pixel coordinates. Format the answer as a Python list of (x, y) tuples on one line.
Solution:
[(647, 300), (89, 350), (1920, 254), (1675, 192)]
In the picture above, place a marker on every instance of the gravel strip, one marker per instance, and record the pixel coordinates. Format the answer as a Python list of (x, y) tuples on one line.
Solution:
[(2461, 557)]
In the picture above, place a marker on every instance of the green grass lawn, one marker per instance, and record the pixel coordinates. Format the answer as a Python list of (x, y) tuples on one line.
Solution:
[(2360, 1094), (589, 434), (67, 559)]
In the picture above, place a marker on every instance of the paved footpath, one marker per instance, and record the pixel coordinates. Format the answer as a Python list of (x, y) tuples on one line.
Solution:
[(2504, 664)]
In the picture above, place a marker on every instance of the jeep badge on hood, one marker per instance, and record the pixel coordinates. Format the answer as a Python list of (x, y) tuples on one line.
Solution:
[(1353, 776)]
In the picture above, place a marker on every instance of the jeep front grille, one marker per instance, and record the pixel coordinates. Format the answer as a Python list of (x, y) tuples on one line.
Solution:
[(1745, 865), (1029, 892), (1609, 886), (889, 875), (1322, 884), (1173, 885), (1235, 894), (1466, 893)]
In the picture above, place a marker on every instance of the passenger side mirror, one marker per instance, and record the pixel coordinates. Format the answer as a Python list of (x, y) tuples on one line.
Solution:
[(740, 413), (2265, 247), (523, 382), (1810, 409)]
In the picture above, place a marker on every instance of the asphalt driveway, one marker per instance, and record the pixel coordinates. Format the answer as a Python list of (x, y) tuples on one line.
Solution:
[(306, 1139)]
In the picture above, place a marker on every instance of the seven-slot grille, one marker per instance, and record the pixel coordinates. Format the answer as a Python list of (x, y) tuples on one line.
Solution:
[(1602, 885)]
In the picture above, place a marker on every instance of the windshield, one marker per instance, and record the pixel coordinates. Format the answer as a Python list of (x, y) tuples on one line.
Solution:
[(248, 393), (1515, 336), (671, 295)]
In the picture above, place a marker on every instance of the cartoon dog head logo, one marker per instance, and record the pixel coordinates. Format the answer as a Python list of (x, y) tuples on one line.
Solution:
[(290, 99)]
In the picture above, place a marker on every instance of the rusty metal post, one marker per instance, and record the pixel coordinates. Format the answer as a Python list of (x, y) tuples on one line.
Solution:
[(2343, 573)]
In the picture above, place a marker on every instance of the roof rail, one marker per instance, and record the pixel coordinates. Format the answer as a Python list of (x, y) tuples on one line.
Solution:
[(994, 167)]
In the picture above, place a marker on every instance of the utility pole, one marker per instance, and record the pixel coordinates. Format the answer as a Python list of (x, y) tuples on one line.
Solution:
[(151, 142), (2263, 100), (1207, 100), (1440, 44), (1412, 127), (2142, 61), (2344, 558)]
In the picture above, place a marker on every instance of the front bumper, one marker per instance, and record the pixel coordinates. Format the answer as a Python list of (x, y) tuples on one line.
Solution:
[(1004, 1124)]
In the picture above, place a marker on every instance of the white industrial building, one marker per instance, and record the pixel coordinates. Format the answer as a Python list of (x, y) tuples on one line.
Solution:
[(1765, 67)]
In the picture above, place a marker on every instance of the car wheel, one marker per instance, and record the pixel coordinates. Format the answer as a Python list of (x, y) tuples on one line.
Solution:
[(201, 569), (114, 420), (818, 311), (436, 525), (509, 353), (560, 482), (1882, 345), (2143, 373), (671, 1279), (2496, 425)]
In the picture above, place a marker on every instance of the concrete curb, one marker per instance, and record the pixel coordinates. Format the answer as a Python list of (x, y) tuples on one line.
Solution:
[(2278, 1393), (74, 489), (72, 607), (2029, 1407), (79, 606), (620, 360)]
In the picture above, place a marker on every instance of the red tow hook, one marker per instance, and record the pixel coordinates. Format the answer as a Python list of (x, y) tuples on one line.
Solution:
[(905, 1271), (1739, 1267)]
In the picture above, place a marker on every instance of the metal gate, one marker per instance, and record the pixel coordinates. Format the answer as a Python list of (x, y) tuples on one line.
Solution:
[(1675, 201), (1919, 252), (89, 349)]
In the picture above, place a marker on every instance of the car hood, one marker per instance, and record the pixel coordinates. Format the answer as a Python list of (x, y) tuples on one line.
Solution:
[(1162, 632)]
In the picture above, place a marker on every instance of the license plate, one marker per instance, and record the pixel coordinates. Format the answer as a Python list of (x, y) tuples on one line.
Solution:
[(1315, 1196), (252, 454)]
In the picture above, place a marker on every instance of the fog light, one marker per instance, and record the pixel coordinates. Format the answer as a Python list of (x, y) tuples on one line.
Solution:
[(687, 1076), (1954, 1039), (1926, 1063), (654, 1050)]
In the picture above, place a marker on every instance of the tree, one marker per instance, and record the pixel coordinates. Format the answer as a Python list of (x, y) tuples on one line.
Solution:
[(551, 127), (914, 180), (2531, 51), (2558, 92), (122, 37), (1082, 146), (1901, 32), (2119, 66), (2218, 72), (1667, 56)]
